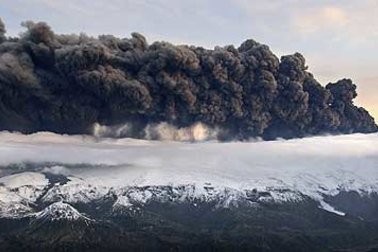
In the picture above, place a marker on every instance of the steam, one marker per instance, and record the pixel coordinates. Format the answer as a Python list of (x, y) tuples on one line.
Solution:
[(196, 132), (68, 83), (161, 131), (57, 170)]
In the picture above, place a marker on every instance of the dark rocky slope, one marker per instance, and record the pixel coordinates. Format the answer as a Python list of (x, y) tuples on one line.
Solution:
[(300, 226)]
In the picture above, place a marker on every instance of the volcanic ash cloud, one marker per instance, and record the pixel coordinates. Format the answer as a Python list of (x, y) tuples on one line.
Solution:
[(70, 83)]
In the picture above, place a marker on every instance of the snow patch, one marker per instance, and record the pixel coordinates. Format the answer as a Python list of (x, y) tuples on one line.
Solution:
[(325, 206)]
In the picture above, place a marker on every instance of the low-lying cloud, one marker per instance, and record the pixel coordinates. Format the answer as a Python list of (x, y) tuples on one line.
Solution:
[(329, 159)]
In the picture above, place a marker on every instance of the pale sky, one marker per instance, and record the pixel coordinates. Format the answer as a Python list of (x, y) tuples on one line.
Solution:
[(338, 38)]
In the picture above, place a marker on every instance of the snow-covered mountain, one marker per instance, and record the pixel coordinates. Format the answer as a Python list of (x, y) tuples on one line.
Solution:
[(60, 211), (135, 172), (47, 178)]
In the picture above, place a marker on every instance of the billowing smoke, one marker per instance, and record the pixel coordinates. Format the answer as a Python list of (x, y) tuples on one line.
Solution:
[(69, 83), (2, 31)]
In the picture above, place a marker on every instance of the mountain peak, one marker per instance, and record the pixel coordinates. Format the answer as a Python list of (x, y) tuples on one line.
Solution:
[(60, 211)]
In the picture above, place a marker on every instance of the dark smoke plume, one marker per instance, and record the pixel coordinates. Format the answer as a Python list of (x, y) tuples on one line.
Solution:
[(67, 83), (2, 31)]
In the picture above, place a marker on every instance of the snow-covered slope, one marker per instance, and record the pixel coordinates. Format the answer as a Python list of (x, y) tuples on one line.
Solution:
[(134, 172), (19, 191), (60, 211)]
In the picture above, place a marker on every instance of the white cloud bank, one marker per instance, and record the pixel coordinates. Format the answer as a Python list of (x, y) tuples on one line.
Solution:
[(350, 161)]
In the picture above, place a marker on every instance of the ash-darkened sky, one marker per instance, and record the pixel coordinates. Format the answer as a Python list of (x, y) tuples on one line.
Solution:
[(338, 38)]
